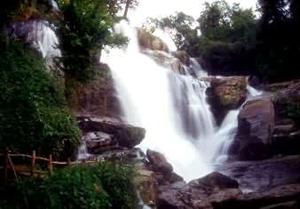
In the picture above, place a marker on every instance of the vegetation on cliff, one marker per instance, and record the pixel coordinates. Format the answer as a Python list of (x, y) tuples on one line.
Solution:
[(34, 115)]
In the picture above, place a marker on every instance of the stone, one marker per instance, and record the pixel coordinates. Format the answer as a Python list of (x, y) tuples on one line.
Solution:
[(99, 142), (158, 162), (98, 98), (256, 122), (125, 135), (198, 194), (147, 40), (226, 93)]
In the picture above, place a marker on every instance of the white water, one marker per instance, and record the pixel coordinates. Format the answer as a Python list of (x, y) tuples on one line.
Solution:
[(172, 108)]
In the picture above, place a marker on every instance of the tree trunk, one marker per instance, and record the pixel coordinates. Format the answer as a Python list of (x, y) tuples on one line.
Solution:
[(126, 8)]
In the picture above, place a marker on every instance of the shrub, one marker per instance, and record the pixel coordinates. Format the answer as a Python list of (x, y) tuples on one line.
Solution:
[(103, 186)]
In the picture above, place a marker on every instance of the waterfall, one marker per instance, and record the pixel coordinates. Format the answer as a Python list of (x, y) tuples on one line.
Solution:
[(171, 107)]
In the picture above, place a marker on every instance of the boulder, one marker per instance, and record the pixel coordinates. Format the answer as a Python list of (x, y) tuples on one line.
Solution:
[(124, 134), (198, 194), (147, 40), (281, 197), (256, 122), (158, 162), (263, 175), (99, 142), (226, 93), (167, 60), (286, 98)]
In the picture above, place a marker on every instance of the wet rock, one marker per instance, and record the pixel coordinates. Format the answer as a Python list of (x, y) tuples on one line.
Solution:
[(263, 175), (147, 40), (198, 194), (226, 93), (282, 197), (286, 98), (124, 134), (256, 122), (158, 162), (167, 60), (99, 142), (98, 98), (215, 180), (183, 56)]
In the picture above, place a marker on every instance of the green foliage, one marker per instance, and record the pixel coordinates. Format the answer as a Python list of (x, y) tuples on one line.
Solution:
[(85, 29), (103, 186), (33, 115), (224, 37), (278, 40)]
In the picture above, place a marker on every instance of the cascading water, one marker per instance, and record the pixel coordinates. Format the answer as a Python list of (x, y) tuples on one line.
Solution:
[(171, 107)]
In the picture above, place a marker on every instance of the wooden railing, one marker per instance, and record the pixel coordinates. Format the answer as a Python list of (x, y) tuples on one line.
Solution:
[(34, 165)]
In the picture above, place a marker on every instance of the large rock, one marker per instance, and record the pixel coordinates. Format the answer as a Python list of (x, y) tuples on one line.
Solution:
[(256, 122), (282, 197), (99, 142), (263, 175), (226, 93), (97, 98), (162, 168), (198, 194), (286, 99), (167, 60), (158, 162), (217, 191), (124, 134), (147, 40)]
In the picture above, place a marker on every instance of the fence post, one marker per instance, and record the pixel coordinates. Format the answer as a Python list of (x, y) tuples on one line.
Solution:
[(69, 162), (6, 164), (33, 162), (50, 165)]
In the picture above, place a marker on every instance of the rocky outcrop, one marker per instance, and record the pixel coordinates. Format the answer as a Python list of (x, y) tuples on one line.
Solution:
[(183, 56), (286, 99), (147, 40), (97, 98), (256, 122), (123, 135), (226, 93), (263, 175), (162, 169), (166, 60)]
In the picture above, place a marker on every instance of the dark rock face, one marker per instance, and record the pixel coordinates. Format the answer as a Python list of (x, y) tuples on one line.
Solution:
[(259, 176), (125, 135), (225, 94), (162, 168), (98, 142), (282, 197), (256, 122), (97, 98), (159, 162), (199, 193), (286, 99)]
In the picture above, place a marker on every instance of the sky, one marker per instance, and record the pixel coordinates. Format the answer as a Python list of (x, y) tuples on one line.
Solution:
[(162, 8)]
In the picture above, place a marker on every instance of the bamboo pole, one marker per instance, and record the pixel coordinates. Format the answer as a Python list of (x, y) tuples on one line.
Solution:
[(6, 165), (33, 162), (50, 165)]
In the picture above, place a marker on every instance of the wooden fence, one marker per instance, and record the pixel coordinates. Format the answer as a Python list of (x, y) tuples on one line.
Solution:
[(34, 166)]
